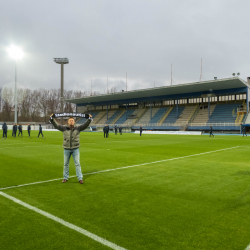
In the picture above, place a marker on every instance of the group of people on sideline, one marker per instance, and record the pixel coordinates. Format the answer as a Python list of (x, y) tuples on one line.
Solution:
[(106, 130), (19, 128)]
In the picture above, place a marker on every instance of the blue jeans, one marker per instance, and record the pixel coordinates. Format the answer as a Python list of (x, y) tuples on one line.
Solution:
[(76, 156)]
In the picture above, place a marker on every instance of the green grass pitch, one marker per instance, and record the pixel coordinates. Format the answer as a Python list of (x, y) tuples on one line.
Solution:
[(198, 202)]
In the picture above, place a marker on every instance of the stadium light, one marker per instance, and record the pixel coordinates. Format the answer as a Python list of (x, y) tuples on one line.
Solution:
[(16, 53), (61, 61)]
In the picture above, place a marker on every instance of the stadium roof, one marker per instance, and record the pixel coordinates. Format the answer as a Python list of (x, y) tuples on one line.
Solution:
[(233, 85)]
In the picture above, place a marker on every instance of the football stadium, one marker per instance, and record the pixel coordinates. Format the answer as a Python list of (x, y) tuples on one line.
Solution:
[(171, 172)]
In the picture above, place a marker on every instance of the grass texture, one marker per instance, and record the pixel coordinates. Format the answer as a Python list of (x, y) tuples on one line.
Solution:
[(198, 202)]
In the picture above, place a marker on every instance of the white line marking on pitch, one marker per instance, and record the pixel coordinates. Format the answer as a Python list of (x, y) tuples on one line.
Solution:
[(102, 171), (30, 146), (65, 223)]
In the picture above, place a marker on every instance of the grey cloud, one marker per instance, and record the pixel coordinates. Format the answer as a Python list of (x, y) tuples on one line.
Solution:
[(112, 38)]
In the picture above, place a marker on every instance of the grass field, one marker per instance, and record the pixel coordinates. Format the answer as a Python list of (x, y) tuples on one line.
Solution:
[(173, 202)]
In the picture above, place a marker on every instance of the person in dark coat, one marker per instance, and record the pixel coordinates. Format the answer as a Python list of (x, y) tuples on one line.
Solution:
[(40, 131), (120, 130), (15, 129), (244, 131), (105, 130), (115, 130), (5, 130), (140, 130), (211, 131), (20, 129), (29, 128)]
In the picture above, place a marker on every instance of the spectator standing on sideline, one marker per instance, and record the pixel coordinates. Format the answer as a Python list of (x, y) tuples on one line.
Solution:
[(105, 131), (71, 144), (211, 131), (15, 129), (29, 128), (5, 130), (244, 131), (115, 130), (20, 129), (40, 131), (140, 130), (120, 130)]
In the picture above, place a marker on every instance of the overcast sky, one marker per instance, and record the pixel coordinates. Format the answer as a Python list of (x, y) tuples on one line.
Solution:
[(111, 38)]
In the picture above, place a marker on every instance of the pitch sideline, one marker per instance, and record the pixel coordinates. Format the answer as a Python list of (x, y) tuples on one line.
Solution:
[(65, 223), (107, 170)]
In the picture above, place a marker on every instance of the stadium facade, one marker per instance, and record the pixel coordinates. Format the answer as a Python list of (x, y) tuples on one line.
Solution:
[(222, 103)]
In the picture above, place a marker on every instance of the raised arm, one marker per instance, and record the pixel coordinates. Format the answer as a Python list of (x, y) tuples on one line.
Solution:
[(56, 124), (86, 124)]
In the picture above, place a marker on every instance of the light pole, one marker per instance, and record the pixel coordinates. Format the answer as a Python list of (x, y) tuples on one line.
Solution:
[(16, 53), (61, 61)]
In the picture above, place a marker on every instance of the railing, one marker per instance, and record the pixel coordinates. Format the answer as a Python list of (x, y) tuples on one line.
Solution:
[(180, 124)]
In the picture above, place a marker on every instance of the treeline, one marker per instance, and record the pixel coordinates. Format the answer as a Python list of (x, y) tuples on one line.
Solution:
[(35, 105)]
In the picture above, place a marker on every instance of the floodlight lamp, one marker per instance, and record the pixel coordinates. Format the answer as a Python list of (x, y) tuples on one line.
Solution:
[(15, 52), (215, 78), (233, 74), (61, 60), (238, 73)]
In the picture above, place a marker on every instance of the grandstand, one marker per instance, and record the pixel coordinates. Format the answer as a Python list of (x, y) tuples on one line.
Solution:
[(222, 104)]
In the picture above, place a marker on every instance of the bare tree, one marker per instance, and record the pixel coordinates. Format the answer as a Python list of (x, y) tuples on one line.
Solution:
[(34, 105), (43, 102)]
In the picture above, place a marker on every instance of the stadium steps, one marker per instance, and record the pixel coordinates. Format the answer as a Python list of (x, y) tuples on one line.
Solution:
[(132, 121), (193, 115), (118, 117), (224, 113), (171, 118), (164, 116), (104, 119), (146, 117), (186, 114), (123, 118), (98, 117), (158, 115), (112, 117), (202, 114), (240, 116)]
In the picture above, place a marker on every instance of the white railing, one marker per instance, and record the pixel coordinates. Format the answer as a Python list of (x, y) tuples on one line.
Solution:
[(180, 124)]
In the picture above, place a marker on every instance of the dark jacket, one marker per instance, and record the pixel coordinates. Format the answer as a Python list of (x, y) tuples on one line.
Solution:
[(4, 127), (140, 129), (71, 138), (15, 128), (40, 128), (115, 129), (20, 127), (120, 129), (29, 128)]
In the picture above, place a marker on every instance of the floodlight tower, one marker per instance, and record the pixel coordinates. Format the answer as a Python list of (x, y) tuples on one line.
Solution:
[(16, 53), (61, 61)]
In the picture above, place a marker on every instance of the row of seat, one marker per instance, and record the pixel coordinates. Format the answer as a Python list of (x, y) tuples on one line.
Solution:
[(219, 113)]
